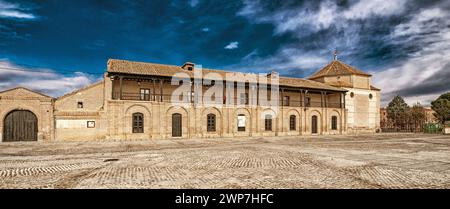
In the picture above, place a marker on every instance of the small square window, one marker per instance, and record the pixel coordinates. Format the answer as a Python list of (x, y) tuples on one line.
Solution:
[(91, 124), (80, 105)]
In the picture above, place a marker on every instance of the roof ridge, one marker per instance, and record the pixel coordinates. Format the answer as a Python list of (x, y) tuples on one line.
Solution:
[(145, 68), (336, 65), (142, 62), (21, 87), (81, 89)]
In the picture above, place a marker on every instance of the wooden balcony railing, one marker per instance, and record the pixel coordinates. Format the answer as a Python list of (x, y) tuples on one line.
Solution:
[(234, 100)]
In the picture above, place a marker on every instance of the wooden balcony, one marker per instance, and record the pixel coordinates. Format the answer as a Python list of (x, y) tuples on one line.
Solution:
[(238, 101)]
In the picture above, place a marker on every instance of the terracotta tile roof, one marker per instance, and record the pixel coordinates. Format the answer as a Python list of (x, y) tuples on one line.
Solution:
[(143, 68), (337, 67), (304, 83)]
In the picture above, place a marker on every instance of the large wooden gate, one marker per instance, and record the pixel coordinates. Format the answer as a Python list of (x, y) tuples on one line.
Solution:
[(176, 125), (314, 124), (20, 125)]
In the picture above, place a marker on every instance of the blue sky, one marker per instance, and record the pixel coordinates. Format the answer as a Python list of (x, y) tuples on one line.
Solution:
[(405, 44)]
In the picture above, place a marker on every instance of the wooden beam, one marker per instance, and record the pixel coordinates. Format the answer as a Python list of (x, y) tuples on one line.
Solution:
[(154, 90), (344, 99), (161, 89), (112, 89), (321, 98), (121, 86)]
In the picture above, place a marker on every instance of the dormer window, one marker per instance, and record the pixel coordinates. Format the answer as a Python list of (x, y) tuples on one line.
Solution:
[(190, 68)]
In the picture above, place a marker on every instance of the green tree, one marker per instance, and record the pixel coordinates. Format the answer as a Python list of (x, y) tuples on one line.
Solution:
[(417, 116), (441, 107), (397, 111), (445, 96)]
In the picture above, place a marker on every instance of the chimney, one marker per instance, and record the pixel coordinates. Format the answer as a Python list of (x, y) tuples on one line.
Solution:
[(188, 66), (273, 74)]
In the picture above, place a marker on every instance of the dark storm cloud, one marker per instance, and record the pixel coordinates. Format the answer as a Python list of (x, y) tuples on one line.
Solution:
[(435, 84), (404, 43)]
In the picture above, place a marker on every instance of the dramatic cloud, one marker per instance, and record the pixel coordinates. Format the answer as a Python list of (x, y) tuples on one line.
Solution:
[(232, 45), (426, 71), (10, 10), (374, 8), (42, 80), (314, 18), (405, 44), (287, 61)]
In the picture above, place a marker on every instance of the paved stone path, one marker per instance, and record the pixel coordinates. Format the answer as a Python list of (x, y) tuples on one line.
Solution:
[(367, 161)]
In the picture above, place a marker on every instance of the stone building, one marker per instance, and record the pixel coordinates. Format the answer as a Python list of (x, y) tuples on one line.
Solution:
[(135, 100), (362, 100)]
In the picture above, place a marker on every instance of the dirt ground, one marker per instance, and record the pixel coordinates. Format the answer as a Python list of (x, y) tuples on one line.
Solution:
[(364, 161)]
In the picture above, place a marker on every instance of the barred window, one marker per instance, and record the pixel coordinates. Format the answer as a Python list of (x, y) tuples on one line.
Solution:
[(211, 123), (268, 123), (145, 94), (333, 123), (138, 123), (292, 121)]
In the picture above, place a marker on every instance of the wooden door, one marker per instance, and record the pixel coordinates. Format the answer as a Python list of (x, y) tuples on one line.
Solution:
[(20, 125), (176, 125), (314, 124)]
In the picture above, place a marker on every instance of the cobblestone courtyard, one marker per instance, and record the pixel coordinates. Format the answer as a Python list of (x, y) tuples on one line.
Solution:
[(366, 161)]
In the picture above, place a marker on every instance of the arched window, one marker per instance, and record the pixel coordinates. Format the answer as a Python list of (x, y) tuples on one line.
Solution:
[(268, 123), (314, 126), (241, 122), (334, 123), (211, 123), (292, 122), (138, 122), (177, 127)]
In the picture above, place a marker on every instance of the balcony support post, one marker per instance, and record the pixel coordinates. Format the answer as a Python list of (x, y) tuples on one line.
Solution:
[(161, 89), (113, 96), (344, 98), (154, 90), (120, 86)]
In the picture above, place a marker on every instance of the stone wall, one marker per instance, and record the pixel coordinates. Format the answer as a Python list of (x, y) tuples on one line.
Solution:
[(363, 111), (158, 120), (71, 121)]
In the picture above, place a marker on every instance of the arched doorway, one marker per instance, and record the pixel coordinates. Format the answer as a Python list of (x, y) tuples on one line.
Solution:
[(314, 128), (20, 125), (176, 125)]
